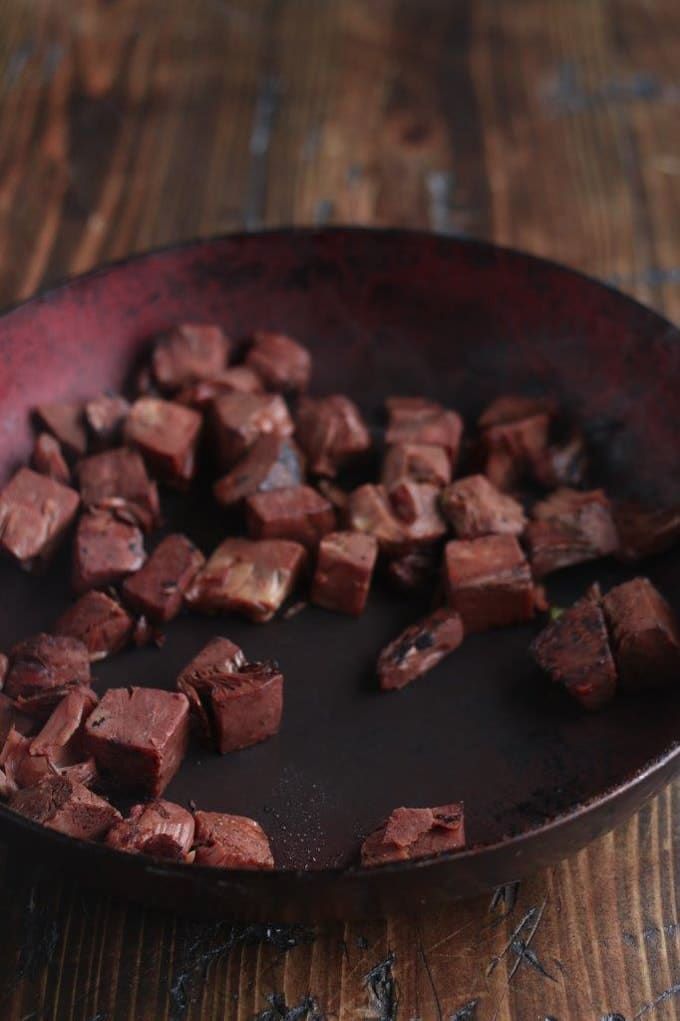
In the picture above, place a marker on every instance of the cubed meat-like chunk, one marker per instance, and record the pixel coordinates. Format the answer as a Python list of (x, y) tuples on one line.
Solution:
[(296, 512), (84, 772), (419, 648), (474, 507), (47, 459), (117, 481), (414, 571), (249, 577), (418, 420), (515, 435), (65, 421), (167, 436), (61, 736), (281, 362), (18, 767), (238, 419), (105, 549), (590, 510), (66, 806), (239, 377), (159, 828), (43, 669), (416, 462), (231, 842), (411, 833), (105, 417), (7, 788), (489, 582), (331, 432), (57, 748), (515, 408), (272, 462), (22, 767), (15, 731), (217, 658), (574, 650), (645, 635), (12, 718), (371, 510), (99, 621), (570, 527), (344, 570), (157, 589), (241, 706), (188, 353), (406, 500), (35, 514), (138, 737), (643, 533)]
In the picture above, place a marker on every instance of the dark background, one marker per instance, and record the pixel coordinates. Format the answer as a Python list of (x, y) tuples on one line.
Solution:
[(547, 124)]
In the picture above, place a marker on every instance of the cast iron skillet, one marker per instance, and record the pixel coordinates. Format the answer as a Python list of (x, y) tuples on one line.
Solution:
[(383, 312)]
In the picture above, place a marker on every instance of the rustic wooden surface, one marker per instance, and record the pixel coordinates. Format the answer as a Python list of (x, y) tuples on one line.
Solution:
[(546, 124)]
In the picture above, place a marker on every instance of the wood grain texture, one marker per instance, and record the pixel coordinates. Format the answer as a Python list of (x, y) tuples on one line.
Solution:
[(546, 124)]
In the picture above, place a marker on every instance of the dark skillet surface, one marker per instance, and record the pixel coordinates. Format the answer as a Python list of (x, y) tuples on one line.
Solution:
[(382, 314)]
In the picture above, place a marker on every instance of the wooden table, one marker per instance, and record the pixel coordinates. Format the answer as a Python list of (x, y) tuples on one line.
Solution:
[(547, 124)]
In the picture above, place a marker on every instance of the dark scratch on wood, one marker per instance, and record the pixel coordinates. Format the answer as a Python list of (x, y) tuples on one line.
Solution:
[(642, 225), (439, 185), (54, 54), (383, 990), (446, 214), (306, 1010), (536, 921), (652, 276), (504, 900), (531, 921), (468, 1012), (525, 921), (430, 978), (264, 117), (565, 92), (520, 948), (664, 997), (266, 110), (652, 934), (199, 945), (17, 61), (323, 212)]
